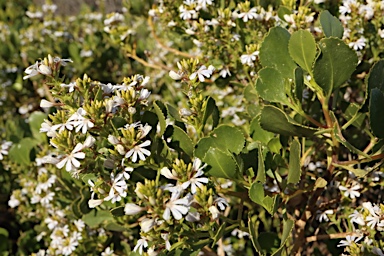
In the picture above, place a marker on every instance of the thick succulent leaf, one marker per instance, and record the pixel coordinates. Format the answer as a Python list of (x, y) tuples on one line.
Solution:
[(302, 48), (221, 163), (331, 25), (376, 112), (334, 65), (180, 136), (161, 118), (275, 120), (258, 133), (224, 137), (294, 170), (271, 85), (274, 52)]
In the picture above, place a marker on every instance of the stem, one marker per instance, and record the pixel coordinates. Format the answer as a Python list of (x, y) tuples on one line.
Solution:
[(363, 160), (329, 236), (177, 52), (48, 93), (140, 60)]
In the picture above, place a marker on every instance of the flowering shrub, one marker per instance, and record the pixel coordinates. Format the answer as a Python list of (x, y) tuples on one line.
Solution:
[(193, 127)]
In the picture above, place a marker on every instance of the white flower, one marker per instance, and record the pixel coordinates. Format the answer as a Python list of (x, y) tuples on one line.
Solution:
[(5, 145), (71, 86), (194, 180), (349, 241), (357, 217), (204, 3), (60, 61), (177, 206), (225, 72), (351, 192), (80, 122), (132, 209), (240, 234), (322, 216), (144, 94), (140, 151), (174, 75), (118, 188), (70, 161), (47, 127), (214, 211), (172, 175), (147, 224), (107, 251), (141, 244), (36, 69), (251, 14), (13, 201), (80, 225), (165, 236), (69, 245), (221, 202), (358, 45), (113, 19), (202, 72), (249, 58), (89, 142), (186, 14), (46, 104)]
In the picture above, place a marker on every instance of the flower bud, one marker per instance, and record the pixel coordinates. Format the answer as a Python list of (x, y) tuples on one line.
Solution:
[(46, 104), (174, 75), (132, 209)]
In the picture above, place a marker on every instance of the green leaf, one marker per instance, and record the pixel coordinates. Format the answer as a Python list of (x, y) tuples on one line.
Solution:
[(299, 84), (219, 234), (270, 204), (283, 10), (287, 229), (96, 217), (182, 137), (221, 163), (376, 76), (334, 65), (271, 85), (253, 227), (376, 112), (211, 110), (20, 152), (331, 25), (174, 112), (269, 242), (259, 134), (161, 117), (260, 166), (302, 48), (360, 173), (118, 211), (113, 226), (294, 170), (340, 138), (118, 122), (4, 232), (320, 183), (15, 129), (74, 53), (275, 120), (230, 138), (274, 52), (224, 137), (35, 121), (256, 192)]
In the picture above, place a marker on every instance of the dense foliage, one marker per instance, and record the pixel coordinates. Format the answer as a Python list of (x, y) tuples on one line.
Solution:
[(213, 127)]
